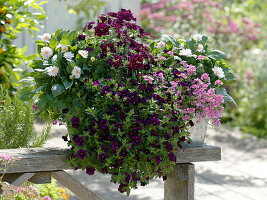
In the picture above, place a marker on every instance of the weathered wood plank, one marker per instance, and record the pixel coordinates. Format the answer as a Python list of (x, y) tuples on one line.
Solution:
[(17, 179), (75, 186), (180, 183), (47, 159), (199, 154), (41, 178), (37, 159)]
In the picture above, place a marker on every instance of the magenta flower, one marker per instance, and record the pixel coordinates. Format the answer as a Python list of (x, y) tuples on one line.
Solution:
[(82, 154), (90, 170), (102, 29)]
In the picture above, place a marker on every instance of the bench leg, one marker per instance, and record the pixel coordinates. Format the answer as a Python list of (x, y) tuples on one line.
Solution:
[(180, 183)]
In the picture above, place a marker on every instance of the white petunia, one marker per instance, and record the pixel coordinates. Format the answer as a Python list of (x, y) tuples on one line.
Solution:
[(197, 37), (45, 37), (83, 53), (93, 59), (186, 52), (52, 71), (64, 48), (161, 44), (68, 55), (200, 47), (76, 72), (54, 57), (46, 52), (218, 71)]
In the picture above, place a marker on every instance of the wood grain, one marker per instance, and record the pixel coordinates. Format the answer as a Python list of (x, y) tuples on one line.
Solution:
[(180, 183), (74, 185), (47, 159)]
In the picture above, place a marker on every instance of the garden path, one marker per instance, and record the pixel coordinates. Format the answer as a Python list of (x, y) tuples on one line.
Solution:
[(240, 175)]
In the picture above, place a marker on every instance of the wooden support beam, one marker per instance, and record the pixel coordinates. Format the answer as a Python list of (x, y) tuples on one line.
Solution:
[(75, 186), (180, 183), (17, 179), (41, 178)]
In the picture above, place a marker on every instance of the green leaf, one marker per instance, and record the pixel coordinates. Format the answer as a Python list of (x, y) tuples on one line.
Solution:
[(205, 38), (217, 55), (167, 38), (228, 75), (26, 96), (67, 83), (53, 42), (77, 102), (227, 97), (57, 89)]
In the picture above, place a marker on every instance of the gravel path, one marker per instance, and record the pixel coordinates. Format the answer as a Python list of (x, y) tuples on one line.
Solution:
[(240, 175)]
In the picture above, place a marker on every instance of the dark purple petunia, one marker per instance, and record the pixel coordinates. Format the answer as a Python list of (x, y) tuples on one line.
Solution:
[(176, 73), (118, 124), (136, 140), (164, 178), (191, 123), (82, 37), (104, 170), (172, 157), (143, 183), (96, 83), (79, 140), (82, 154), (154, 133), (65, 110), (89, 49), (122, 188), (123, 153), (102, 29), (115, 107), (89, 26), (168, 146), (154, 121), (75, 121), (90, 170), (65, 138), (102, 157), (158, 159), (72, 155), (126, 15), (136, 62)]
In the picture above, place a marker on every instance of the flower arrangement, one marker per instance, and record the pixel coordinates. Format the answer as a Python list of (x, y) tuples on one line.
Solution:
[(127, 105)]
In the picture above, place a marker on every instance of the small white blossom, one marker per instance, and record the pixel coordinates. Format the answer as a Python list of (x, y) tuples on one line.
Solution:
[(54, 57), (218, 71), (83, 53), (197, 37), (45, 62), (93, 59), (186, 52), (46, 52), (200, 47), (52, 71), (68, 55), (161, 44), (64, 48), (76, 72), (45, 37)]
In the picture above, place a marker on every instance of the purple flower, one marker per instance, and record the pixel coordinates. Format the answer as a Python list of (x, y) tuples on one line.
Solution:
[(102, 157), (154, 121), (75, 121), (122, 188), (90, 170), (65, 138), (65, 110), (126, 15), (89, 26), (89, 49), (158, 159), (176, 73), (118, 124), (172, 157), (136, 140), (81, 37), (143, 184), (115, 107), (154, 133), (79, 140), (123, 153), (168, 146), (191, 123), (34, 107), (82, 154), (96, 83), (102, 29), (104, 170)]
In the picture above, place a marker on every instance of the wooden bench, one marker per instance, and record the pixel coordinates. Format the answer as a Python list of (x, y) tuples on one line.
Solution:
[(38, 165)]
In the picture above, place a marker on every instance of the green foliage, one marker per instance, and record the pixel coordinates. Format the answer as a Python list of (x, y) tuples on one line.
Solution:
[(250, 92), (15, 16), (85, 9), (52, 190), (17, 124)]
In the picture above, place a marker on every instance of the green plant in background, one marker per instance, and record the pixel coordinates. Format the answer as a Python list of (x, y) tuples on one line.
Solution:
[(53, 191), (251, 93), (85, 9), (15, 16), (17, 124)]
